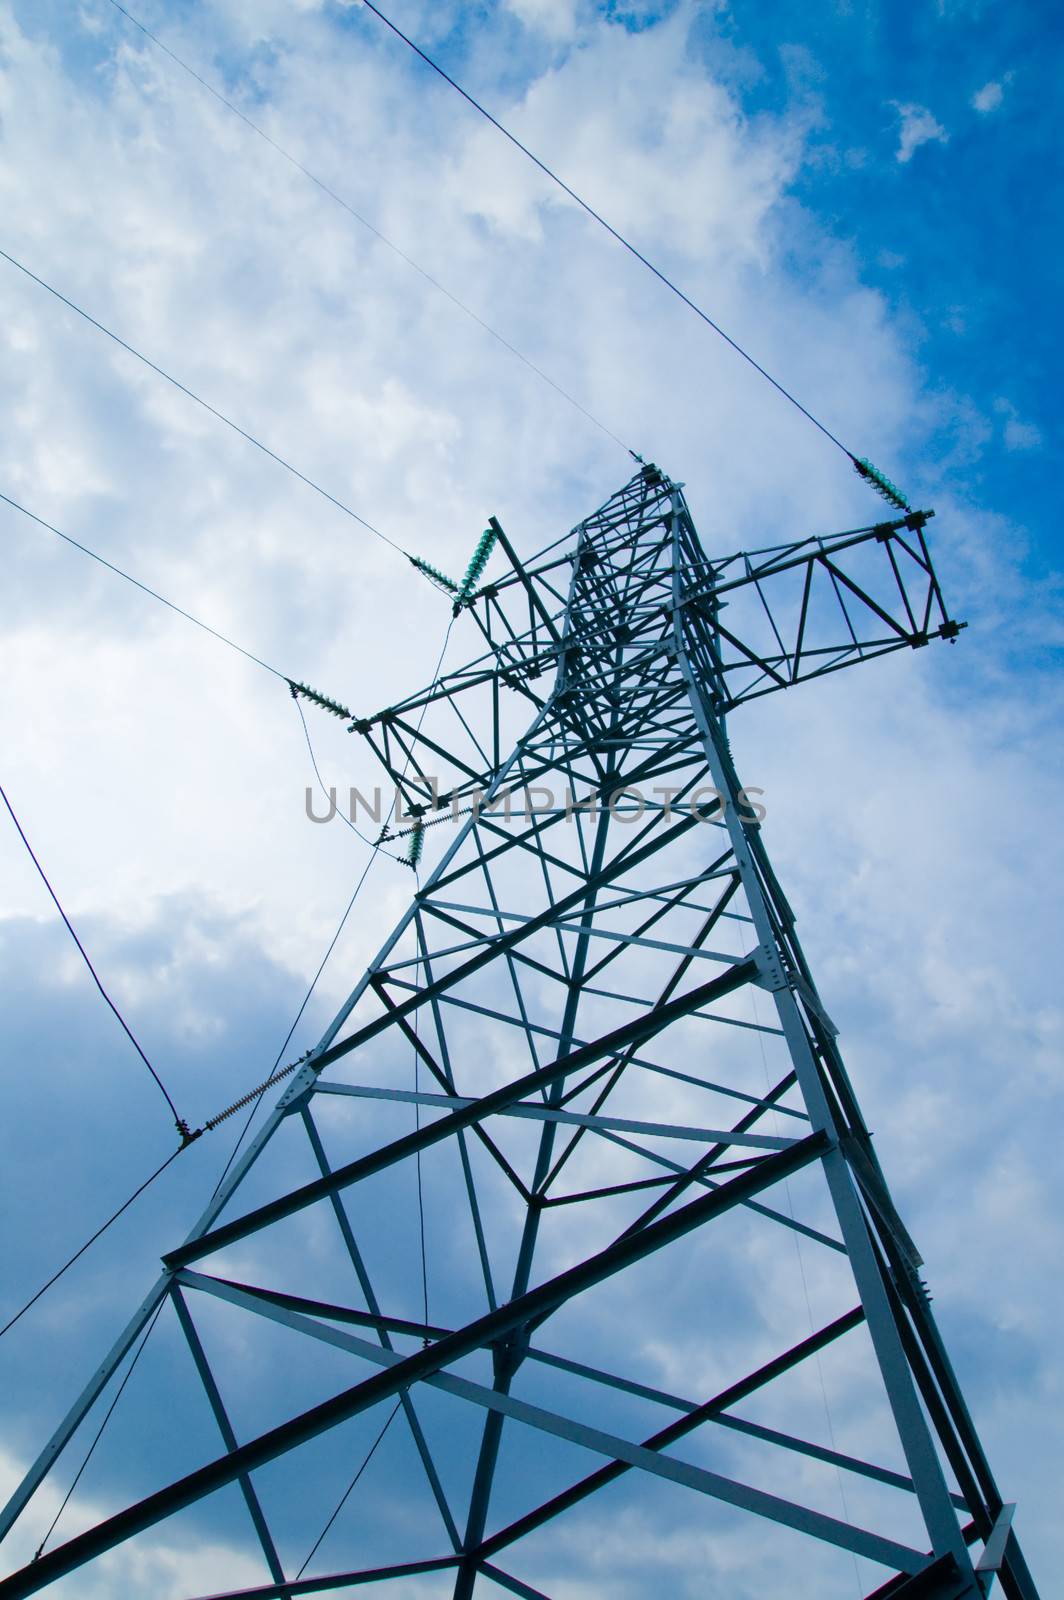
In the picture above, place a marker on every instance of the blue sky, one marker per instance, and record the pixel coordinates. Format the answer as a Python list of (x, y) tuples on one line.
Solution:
[(755, 151)]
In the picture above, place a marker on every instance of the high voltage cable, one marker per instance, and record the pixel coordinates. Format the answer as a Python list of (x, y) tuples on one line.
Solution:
[(865, 468), (187, 1137), (192, 395), (620, 238), (339, 200), (32, 1301), (296, 1019), (100, 1430), (376, 850), (179, 1122), (343, 1498), (155, 595), (321, 784), (417, 1123)]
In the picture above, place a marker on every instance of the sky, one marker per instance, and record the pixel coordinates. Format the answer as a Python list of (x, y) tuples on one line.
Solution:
[(868, 198)]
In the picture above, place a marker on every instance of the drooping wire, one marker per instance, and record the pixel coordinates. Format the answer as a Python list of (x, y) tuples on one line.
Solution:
[(154, 594), (620, 238), (330, 794), (296, 1020), (32, 1301), (343, 1498), (191, 394), (179, 1122), (99, 1432), (333, 941), (338, 199), (420, 1198), (273, 1077)]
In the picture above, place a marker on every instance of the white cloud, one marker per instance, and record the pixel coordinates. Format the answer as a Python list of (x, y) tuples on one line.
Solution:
[(988, 98), (688, 171), (918, 127), (555, 18), (1022, 435), (1017, 433)]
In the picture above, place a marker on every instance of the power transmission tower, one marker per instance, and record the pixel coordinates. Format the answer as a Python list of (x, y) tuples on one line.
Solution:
[(591, 1064)]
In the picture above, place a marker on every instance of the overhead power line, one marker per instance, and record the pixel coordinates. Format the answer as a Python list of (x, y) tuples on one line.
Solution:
[(338, 199), (610, 229), (188, 1136), (143, 587), (108, 1414), (374, 852), (179, 1122), (331, 797), (192, 395), (366, 1459), (137, 1192)]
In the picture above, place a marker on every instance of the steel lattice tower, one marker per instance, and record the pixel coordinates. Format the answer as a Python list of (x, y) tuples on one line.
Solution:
[(627, 1109)]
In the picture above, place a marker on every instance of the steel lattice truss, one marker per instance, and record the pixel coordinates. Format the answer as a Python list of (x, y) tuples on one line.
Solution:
[(594, 1036)]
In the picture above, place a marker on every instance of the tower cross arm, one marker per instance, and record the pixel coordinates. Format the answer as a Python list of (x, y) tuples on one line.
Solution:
[(764, 620)]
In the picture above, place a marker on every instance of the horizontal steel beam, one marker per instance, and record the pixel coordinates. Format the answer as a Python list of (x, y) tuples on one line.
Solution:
[(579, 1119), (339, 1580)]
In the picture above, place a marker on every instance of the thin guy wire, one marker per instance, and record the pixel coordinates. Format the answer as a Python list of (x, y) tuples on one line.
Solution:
[(99, 1432), (346, 206), (191, 394), (284, 1047), (181, 612), (32, 1301), (369, 1457), (417, 1122), (620, 238), (179, 1122), (330, 794), (159, 1170), (332, 943), (296, 1019)]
